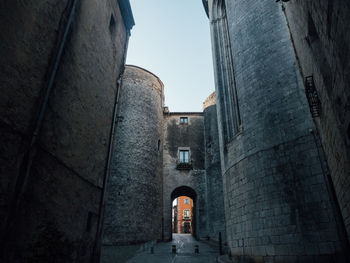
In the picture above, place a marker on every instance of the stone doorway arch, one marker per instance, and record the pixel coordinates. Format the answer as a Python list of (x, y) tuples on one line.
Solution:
[(191, 193)]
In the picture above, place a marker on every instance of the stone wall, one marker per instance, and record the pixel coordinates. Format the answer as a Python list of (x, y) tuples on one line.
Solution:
[(321, 36), (277, 201), (189, 136), (51, 193), (215, 198), (134, 207), (211, 100)]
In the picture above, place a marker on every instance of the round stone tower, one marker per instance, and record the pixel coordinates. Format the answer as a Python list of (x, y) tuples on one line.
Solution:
[(276, 191), (215, 198), (133, 212)]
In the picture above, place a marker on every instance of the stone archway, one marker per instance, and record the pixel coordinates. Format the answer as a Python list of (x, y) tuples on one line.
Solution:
[(190, 181), (189, 192), (184, 190)]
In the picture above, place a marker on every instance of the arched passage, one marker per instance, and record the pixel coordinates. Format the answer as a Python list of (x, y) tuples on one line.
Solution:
[(184, 191), (189, 192), (191, 181)]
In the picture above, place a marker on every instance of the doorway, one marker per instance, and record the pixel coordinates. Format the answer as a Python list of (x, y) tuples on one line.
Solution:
[(183, 209), (182, 215)]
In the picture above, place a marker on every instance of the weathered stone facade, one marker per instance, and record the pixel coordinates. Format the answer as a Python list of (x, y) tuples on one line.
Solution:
[(134, 207), (266, 167), (321, 37), (214, 189), (278, 201), (184, 136), (146, 175), (53, 155)]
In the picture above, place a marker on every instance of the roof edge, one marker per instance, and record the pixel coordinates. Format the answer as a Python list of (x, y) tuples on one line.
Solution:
[(206, 8), (128, 18), (138, 67), (186, 113)]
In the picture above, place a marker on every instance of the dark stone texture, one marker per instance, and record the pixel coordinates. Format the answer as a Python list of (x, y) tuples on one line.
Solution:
[(275, 189), (191, 136), (133, 213), (215, 199), (328, 47), (55, 217), (51, 214), (182, 135)]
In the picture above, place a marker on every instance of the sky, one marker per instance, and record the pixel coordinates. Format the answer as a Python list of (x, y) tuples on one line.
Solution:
[(172, 40)]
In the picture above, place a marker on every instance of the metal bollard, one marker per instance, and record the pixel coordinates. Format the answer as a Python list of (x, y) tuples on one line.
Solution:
[(196, 249), (173, 249)]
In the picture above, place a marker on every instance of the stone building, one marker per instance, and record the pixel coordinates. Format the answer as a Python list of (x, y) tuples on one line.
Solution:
[(158, 157), (279, 198), (266, 163), (320, 33), (60, 62), (215, 201), (183, 167), (134, 206)]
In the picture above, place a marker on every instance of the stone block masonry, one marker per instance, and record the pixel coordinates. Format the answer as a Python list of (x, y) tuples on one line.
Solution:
[(321, 39), (277, 201), (283, 207), (134, 207), (259, 166), (145, 175), (187, 136), (215, 198)]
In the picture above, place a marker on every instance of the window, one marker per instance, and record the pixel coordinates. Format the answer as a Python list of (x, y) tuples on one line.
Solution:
[(187, 213), (187, 201), (184, 156), (184, 161), (312, 97), (183, 120)]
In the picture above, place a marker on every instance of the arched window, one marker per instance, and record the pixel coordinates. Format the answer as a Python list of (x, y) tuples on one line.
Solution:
[(224, 72)]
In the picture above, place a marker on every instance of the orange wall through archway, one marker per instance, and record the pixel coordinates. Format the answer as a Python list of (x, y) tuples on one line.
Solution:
[(182, 215)]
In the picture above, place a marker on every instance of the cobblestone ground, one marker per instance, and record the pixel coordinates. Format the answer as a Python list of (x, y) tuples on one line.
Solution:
[(185, 245)]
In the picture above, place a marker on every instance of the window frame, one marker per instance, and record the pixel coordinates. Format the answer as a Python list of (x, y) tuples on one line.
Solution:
[(183, 160), (184, 165), (182, 120)]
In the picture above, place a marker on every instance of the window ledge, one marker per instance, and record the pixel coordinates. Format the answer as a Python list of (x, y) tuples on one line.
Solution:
[(184, 166)]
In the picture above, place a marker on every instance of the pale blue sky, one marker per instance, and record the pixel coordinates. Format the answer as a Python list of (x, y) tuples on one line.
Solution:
[(171, 39)]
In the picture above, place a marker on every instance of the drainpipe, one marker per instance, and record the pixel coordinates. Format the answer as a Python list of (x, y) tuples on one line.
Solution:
[(99, 232), (53, 75), (25, 169)]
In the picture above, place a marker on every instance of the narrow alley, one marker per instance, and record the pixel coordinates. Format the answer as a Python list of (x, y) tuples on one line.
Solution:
[(155, 131)]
